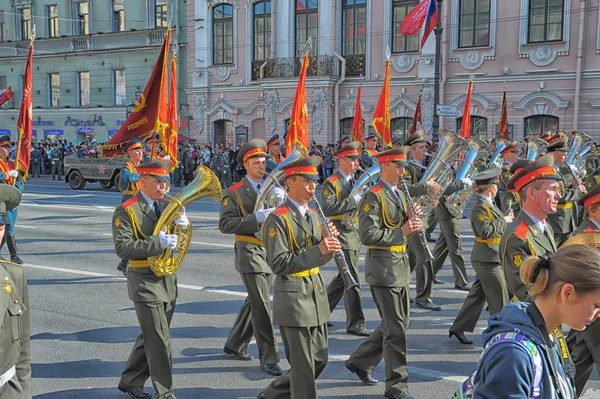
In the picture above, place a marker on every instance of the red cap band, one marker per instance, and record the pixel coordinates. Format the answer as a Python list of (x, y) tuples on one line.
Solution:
[(270, 143), (134, 146), (3, 143), (154, 171), (392, 158), (253, 153), (371, 138), (591, 200), (535, 175), (301, 170), (347, 153), (508, 149)]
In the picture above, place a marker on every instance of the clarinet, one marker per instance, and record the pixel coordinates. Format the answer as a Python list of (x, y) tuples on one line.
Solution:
[(429, 256), (340, 260)]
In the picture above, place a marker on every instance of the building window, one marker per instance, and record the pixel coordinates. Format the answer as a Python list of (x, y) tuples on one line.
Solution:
[(478, 126), (474, 23), (54, 90), (1, 26), (400, 128), (223, 34), (84, 89), (82, 20), (223, 131), (262, 30), (307, 25), (539, 124), (119, 87), (160, 12), (545, 20), (403, 44), (118, 15), (354, 27), (52, 15), (25, 23), (346, 127)]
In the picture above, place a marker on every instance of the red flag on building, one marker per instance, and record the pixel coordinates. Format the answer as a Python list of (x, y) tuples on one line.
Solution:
[(149, 115), (381, 117), (503, 123), (417, 117), (298, 130), (423, 15), (25, 121), (357, 123), (173, 131), (465, 129), (6, 95)]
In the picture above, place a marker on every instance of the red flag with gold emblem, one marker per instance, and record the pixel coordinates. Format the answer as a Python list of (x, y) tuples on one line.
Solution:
[(6, 95), (25, 121), (417, 117), (149, 115), (503, 123), (381, 117), (298, 131), (465, 129), (173, 131), (357, 123)]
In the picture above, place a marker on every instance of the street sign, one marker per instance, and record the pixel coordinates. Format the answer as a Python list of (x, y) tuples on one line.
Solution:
[(446, 110)]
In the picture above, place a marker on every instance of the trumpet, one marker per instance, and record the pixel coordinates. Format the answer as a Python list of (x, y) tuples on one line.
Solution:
[(340, 260), (428, 255)]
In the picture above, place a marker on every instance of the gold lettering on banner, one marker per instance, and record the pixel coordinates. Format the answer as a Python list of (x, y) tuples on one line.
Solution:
[(137, 124)]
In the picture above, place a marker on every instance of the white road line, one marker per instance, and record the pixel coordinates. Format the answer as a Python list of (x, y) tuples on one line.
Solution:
[(69, 205), (212, 244), (26, 227)]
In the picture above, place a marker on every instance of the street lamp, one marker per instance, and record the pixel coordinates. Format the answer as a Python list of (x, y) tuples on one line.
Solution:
[(437, 73)]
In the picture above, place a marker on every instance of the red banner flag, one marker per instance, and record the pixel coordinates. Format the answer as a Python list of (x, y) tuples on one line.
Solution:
[(431, 21), (417, 117), (173, 131), (149, 115), (465, 129), (298, 131), (6, 95), (357, 123), (503, 123), (381, 117), (25, 121), (413, 21)]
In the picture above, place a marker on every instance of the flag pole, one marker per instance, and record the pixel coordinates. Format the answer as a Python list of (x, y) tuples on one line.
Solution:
[(437, 73), (388, 54)]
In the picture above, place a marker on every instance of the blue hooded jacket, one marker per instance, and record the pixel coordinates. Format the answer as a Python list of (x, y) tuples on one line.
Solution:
[(506, 370)]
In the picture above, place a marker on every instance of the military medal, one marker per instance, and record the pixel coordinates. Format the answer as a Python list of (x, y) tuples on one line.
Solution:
[(7, 288)]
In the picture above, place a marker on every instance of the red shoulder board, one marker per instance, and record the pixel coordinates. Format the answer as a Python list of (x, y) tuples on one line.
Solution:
[(522, 230), (281, 210), (376, 189), (130, 202), (237, 185), (334, 178), (589, 229)]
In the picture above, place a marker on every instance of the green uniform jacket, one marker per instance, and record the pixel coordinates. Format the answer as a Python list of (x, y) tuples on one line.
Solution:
[(586, 226), (237, 217), (291, 245), (336, 202), (454, 187), (384, 267), (132, 244), (511, 200), (272, 162), (488, 224), (505, 175), (592, 180), (564, 220), (521, 239), (15, 327), (413, 174)]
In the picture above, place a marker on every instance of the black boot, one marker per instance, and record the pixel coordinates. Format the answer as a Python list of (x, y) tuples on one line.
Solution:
[(12, 249), (2, 247)]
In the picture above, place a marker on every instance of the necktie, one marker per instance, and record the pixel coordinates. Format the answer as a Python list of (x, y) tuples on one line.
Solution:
[(156, 209), (351, 181), (307, 217), (258, 188)]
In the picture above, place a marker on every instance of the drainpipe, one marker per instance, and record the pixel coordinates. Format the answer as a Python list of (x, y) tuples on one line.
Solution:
[(446, 50), (273, 30), (580, 42), (336, 95)]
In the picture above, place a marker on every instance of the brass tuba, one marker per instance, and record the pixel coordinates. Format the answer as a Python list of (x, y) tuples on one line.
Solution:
[(497, 159), (581, 146), (206, 184), (535, 147)]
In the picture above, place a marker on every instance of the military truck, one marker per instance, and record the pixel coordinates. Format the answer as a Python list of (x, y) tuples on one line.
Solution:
[(106, 171)]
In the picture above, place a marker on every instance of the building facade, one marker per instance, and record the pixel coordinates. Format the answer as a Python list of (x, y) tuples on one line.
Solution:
[(244, 63), (92, 59)]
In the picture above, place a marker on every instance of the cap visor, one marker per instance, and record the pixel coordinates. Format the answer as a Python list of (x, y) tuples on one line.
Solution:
[(352, 156), (161, 178), (401, 163), (312, 177)]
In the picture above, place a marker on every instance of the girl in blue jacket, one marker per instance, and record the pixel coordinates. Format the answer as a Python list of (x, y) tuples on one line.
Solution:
[(526, 356)]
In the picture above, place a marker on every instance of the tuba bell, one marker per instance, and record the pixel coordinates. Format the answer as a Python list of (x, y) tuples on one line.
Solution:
[(206, 184), (535, 147), (581, 147), (497, 160)]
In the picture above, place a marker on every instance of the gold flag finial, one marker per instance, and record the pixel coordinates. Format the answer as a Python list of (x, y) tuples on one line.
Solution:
[(33, 34), (175, 48), (308, 46), (388, 53), (471, 77)]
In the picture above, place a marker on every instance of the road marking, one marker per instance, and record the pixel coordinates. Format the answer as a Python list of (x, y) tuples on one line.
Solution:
[(212, 244), (69, 205), (26, 227)]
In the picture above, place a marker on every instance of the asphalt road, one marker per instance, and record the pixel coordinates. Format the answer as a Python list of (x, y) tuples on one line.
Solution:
[(83, 324)]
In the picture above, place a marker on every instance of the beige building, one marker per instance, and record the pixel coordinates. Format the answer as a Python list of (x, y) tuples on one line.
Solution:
[(243, 65)]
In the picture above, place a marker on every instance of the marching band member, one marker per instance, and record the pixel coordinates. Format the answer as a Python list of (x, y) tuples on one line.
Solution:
[(336, 201), (368, 155), (237, 217), (274, 157), (384, 226), (530, 234), (511, 201), (154, 298), (8, 175), (296, 247), (488, 224)]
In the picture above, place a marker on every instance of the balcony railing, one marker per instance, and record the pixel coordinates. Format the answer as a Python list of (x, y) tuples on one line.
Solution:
[(322, 65), (355, 65)]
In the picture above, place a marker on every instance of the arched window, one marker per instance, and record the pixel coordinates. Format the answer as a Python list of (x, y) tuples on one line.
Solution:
[(354, 35), (307, 25), (478, 126), (223, 132), (400, 128), (474, 23), (545, 20), (346, 127), (222, 34), (262, 30), (538, 124), (403, 44)]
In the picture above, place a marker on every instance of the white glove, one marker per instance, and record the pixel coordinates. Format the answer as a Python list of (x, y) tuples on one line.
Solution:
[(261, 215), (468, 182), (279, 193), (167, 157), (182, 220), (167, 241), (13, 173), (357, 197)]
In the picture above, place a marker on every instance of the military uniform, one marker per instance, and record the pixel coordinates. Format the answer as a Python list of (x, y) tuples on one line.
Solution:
[(488, 224), (130, 177), (383, 212), (154, 297), (273, 159), (300, 306), (6, 167), (368, 156), (336, 201), (237, 217)]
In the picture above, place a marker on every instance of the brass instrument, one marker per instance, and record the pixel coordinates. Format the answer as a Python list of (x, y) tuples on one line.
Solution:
[(429, 256), (206, 184), (535, 147), (340, 260), (350, 219), (497, 160), (584, 238), (440, 168), (581, 147)]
